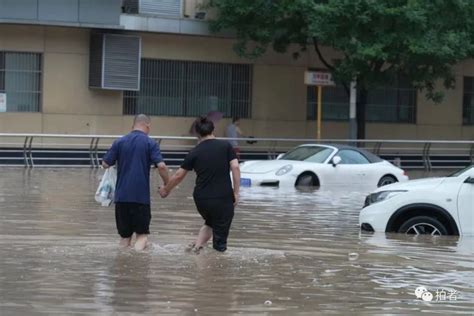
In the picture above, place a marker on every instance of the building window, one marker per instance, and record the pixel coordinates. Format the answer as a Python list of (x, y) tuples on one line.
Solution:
[(395, 103), (20, 81), (188, 88), (468, 101), (335, 103)]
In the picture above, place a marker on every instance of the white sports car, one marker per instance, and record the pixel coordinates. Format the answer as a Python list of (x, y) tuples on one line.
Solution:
[(436, 206), (320, 165)]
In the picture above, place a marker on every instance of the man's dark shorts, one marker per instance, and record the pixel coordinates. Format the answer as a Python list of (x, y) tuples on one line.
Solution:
[(218, 214), (132, 218)]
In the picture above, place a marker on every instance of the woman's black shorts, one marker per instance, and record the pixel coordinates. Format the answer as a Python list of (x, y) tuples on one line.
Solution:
[(217, 214)]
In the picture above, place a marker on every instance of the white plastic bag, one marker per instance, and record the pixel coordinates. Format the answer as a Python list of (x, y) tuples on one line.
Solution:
[(106, 191)]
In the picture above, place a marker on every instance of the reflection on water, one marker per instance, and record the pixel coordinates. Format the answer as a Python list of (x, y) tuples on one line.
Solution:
[(301, 251)]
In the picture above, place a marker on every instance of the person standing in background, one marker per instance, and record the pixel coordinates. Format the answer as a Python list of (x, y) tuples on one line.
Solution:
[(233, 131)]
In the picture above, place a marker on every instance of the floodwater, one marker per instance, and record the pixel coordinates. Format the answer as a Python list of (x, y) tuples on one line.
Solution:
[(290, 253)]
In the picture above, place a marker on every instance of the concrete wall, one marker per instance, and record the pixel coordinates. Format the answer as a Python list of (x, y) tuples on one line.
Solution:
[(279, 95)]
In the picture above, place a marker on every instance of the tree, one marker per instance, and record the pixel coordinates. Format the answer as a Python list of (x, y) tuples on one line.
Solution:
[(378, 40)]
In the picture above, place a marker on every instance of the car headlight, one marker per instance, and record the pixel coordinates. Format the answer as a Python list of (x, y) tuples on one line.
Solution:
[(284, 170), (381, 196)]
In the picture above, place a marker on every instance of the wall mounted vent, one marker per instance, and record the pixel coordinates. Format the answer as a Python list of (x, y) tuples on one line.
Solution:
[(115, 61)]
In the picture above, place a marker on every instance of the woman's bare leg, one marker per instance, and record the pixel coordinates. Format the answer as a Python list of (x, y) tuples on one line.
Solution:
[(205, 234)]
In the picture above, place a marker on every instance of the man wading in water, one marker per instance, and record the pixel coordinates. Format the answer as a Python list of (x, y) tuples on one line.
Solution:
[(134, 154), (215, 199)]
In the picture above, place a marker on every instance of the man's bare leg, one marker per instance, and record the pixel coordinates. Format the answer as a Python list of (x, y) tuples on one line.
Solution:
[(125, 242), (205, 233), (141, 243)]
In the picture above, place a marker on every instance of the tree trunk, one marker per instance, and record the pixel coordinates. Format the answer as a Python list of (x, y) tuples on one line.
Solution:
[(361, 111)]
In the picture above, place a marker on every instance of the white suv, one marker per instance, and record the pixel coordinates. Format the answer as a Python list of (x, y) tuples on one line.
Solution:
[(435, 206)]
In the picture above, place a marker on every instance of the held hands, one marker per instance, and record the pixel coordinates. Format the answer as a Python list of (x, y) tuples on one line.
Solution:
[(163, 192)]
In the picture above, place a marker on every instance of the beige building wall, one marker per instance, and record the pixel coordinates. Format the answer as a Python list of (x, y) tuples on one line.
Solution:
[(69, 106)]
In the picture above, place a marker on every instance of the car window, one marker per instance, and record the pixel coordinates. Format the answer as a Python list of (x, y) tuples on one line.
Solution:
[(462, 171), (321, 156), (352, 157), (308, 153)]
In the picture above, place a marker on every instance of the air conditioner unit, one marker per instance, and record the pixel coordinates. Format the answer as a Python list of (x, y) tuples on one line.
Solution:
[(170, 8), (200, 15), (130, 6)]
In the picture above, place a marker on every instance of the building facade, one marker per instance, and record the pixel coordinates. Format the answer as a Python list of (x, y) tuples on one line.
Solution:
[(86, 67)]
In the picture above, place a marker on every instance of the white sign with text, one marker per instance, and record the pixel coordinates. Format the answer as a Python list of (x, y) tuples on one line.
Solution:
[(318, 78)]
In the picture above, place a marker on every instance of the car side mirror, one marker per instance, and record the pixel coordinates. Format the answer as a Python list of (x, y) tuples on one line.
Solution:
[(469, 180), (279, 156), (336, 160)]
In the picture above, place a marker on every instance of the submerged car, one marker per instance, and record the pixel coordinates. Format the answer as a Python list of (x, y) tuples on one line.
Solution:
[(434, 206), (321, 165)]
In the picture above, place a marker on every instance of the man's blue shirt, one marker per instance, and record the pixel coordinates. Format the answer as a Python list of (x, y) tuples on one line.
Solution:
[(134, 154)]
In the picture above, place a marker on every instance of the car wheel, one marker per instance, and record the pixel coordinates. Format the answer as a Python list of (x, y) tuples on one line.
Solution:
[(307, 180), (386, 180), (423, 225)]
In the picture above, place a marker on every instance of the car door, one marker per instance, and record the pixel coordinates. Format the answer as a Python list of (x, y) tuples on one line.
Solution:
[(352, 169), (466, 205)]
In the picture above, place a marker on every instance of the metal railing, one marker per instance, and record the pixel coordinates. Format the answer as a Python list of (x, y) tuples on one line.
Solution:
[(30, 150)]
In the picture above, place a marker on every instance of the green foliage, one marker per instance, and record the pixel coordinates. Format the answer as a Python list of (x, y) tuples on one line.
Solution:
[(378, 40)]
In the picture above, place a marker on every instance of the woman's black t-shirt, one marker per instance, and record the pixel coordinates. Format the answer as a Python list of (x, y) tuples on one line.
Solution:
[(211, 161)]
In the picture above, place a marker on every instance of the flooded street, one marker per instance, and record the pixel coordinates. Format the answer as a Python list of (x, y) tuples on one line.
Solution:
[(290, 252)]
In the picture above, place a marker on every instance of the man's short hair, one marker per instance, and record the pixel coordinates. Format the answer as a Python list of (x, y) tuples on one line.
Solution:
[(141, 119), (204, 126), (235, 119)]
